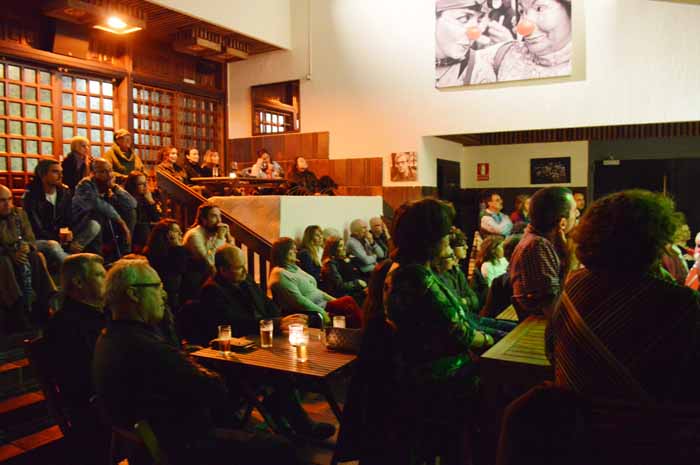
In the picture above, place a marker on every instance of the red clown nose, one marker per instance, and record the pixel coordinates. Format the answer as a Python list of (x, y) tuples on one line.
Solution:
[(525, 27), (473, 33)]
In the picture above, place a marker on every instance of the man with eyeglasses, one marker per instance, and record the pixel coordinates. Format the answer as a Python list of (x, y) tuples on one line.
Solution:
[(98, 200), (139, 376)]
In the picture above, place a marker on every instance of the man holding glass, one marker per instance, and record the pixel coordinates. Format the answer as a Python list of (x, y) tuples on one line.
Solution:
[(231, 297)]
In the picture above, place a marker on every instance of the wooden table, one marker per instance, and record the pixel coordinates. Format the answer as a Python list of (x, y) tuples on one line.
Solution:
[(508, 369), (519, 358), (239, 180), (280, 360), (508, 314)]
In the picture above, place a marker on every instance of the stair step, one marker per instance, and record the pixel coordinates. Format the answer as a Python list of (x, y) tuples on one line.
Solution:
[(16, 373), (21, 408), (29, 449)]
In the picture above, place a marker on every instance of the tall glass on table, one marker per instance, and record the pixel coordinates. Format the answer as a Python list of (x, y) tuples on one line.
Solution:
[(225, 339), (266, 329)]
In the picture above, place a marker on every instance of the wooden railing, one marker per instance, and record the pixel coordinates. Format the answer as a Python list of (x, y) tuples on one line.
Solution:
[(181, 203)]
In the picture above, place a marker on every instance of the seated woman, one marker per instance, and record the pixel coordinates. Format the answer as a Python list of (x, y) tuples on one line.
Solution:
[(621, 331), (434, 335), (448, 270), (338, 276), (147, 209), (500, 292), (168, 257), (295, 291), (311, 251), (167, 162), (491, 260), (521, 214), (211, 166)]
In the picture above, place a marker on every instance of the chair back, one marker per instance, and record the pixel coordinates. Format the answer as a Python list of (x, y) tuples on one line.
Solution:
[(39, 355)]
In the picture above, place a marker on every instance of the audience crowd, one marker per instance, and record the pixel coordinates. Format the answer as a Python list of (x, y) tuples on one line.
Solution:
[(135, 294)]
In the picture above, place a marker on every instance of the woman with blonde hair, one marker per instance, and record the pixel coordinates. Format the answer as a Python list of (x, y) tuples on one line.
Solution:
[(311, 251), (212, 163)]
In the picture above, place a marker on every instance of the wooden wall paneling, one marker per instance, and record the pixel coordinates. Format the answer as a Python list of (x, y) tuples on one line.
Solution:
[(275, 146), (375, 175), (338, 171), (320, 166), (323, 147), (292, 144), (356, 171), (308, 145), (123, 113)]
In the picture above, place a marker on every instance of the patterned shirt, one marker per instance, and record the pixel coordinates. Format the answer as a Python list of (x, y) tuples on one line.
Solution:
[(536, 272)]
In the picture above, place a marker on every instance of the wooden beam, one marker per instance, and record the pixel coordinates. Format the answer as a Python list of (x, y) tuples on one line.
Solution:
[(157, 81), (42, 57)]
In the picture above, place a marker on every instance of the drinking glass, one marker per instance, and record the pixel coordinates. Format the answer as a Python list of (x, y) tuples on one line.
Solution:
[(300, 347), (266, 328), (339, 321), (225, 338)]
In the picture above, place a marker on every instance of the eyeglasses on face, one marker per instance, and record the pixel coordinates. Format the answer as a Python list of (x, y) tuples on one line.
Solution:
[(157, 284)]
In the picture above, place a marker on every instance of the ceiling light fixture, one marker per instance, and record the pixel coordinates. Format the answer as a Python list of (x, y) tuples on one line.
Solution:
[(117, 25)]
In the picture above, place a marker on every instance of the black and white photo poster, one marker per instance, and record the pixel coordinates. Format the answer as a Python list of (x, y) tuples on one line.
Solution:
[(486, 41)]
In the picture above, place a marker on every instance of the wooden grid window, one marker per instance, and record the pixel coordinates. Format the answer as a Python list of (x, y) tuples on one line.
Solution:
[(199, 122), (271, 122), (87, 109), (26, 121), (153, 121)]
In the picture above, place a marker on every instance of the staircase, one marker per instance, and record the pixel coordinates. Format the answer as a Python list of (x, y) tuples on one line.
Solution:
[(28, 435)]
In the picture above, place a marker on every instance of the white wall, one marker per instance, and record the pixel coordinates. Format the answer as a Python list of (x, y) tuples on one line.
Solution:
[(510, 164), (372, 80), (265, 20)]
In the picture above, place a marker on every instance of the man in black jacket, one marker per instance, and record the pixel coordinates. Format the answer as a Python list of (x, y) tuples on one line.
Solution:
[(71, 336), (231, 297), (139, 376)]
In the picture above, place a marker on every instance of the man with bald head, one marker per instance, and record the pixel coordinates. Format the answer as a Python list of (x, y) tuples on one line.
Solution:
[(24, 279), (362, 248), (230, 296), (98, 199), (140, 376)]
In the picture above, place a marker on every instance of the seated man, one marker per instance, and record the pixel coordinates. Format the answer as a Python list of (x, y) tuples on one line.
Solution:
[(540, 262), (138, 376), (122, 156), (231, 297), (362, 248), (71, 336), (103, 207), (25, 282), (494, 221), (48, 203), (207, 235), (264, 167), (380, 233)]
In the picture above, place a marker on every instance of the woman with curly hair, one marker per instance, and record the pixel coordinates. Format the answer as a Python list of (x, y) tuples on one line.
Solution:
[(491, 260), (311, 251), (621, 330)]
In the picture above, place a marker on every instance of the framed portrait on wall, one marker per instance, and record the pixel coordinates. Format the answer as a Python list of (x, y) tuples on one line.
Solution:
[(550, 170), (404, 166), (488, 41)]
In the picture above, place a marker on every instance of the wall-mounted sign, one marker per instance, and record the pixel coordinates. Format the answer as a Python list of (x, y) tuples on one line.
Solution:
[(482, 171)]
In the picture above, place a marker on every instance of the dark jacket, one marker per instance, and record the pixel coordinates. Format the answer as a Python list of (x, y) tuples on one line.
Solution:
[(146, 216), (307, 264), (339, 278), (192, 170), (139, 376), (73, 170), (71, 335), (47, 219), (242, 306), (306, 179), (171, 268)]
